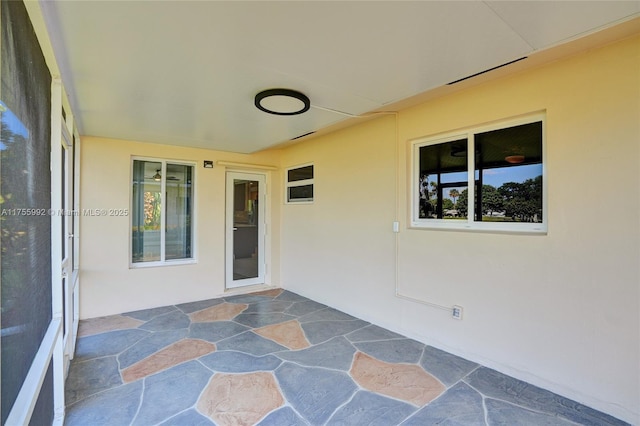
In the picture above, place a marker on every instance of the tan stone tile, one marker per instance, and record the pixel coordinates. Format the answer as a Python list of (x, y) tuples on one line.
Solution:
[(240, 399), (222, 312), (407, 382), (275, 292), (288, 334), (177, 353), (99, 325)]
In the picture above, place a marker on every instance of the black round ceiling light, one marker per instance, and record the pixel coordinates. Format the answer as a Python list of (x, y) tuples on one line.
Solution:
[(282, 102)]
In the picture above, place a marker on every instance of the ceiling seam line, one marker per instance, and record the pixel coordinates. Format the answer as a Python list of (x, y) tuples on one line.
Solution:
[(533, 49)]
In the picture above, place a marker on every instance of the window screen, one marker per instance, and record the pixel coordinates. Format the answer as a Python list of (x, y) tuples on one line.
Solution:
[(443, 177), (25, 234)]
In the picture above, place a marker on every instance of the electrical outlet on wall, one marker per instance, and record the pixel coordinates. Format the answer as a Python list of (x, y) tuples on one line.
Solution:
[(456, 312)]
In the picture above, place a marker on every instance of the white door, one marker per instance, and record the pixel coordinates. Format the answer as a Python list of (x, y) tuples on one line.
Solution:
[(68, 217), (245, 236)]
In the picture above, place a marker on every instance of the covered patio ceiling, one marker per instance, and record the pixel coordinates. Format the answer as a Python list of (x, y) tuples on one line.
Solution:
[(186, 73)]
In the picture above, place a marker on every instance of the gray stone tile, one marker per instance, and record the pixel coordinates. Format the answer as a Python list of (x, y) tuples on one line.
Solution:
[(304, 308), (327, 314), (149, 345), (446, 367), (499, 386), (315, 380), (98, 410), (372, 333), (239, 362), (367, 408), (261, 320), (501, 413), (458, 406), (149, 314), (291, 296), (284, 416), (172, 391), (315, 393), (267, 307), (90, 377), (215, 331), (174, 320), (250, 343), (105, 344), (584, 415), (336, 353), (188, 418), (402, 350), (191, 307), (321, 331)]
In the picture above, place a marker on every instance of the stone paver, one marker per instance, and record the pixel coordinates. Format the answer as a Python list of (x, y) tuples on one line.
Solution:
[(278, 358), (240, 399), (406, 382)]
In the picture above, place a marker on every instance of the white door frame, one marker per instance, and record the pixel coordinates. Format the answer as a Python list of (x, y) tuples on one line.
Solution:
[(69, 264), (261, 178)]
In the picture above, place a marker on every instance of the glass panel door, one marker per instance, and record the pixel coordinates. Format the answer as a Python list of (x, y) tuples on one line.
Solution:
[(66, 215), (245, 229)]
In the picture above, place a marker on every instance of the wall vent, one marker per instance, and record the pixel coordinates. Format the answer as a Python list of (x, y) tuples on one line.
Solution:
[(302, 136), (486, 71)]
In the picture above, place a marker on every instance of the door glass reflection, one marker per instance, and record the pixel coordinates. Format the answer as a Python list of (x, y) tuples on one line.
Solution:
[(245, 233)]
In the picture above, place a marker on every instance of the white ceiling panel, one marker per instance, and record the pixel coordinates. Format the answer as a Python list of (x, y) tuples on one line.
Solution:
[(386, 51), (186, 73), (547, 23)]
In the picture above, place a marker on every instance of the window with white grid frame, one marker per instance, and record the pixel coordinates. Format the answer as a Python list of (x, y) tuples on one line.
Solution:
[(299, 184)]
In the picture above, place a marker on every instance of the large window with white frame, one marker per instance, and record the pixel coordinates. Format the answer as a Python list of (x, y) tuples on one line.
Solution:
[(162, 205), (486, 178), (299, 184)]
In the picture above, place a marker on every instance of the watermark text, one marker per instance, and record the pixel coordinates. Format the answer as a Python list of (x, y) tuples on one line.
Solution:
[(65, 212)]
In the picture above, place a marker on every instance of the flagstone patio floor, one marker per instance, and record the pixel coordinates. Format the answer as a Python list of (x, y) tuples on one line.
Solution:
[(277, 358)]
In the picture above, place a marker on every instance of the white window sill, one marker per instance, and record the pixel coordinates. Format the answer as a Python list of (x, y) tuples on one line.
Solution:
[(494, 227), (142, 265)]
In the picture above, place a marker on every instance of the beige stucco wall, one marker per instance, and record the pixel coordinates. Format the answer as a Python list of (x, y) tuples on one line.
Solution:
[(559, 310), (108, 284)]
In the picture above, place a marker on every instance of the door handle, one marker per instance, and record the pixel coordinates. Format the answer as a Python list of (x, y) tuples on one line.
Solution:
[(235, 229)]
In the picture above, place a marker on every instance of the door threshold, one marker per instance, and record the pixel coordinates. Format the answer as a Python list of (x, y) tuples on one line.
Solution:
[(249, 289)]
